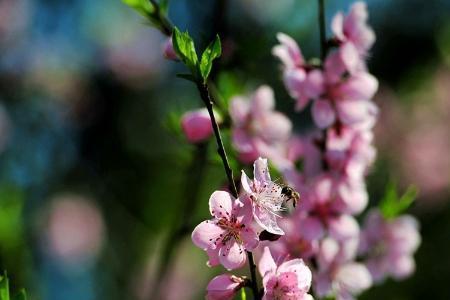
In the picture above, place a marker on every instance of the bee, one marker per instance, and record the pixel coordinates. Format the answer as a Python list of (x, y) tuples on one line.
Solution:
[(290, 194)]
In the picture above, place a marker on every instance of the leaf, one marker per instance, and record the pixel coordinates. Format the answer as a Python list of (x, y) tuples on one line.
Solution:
[(143, 7), (185, 49), (392, 205), (243, 294), (4, 287), (213, 51)]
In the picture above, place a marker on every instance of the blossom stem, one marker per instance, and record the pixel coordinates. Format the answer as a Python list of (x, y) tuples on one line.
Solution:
[(253, 283), (322, 144), (165, 25), (208, 101), (323, 38)]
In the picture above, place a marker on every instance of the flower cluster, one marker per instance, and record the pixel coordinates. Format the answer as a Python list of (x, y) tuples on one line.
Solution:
[(319, 243), (233, 231)]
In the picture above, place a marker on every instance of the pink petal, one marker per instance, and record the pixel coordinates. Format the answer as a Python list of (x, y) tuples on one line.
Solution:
[(297, 266), (222, 287), (356, 28), (337, 26), (322, 284), (246, 183), (343, 227), (275, 127), (261, 170), (205, 234), (323, 189), (361, 86), (232, 255), (329, 249), (351, 112), (353, 196), (323, 113), (314, 85), (312, 228), (221, 204), (239, 110), (267, 220), (242, 141), (213, 255), (266, 263), (293, 80), (288, 52), (168, 50), (354, 278), (350, 57), (249, 238), (244, 211), (196, 125), (402, 267), (263, 100)]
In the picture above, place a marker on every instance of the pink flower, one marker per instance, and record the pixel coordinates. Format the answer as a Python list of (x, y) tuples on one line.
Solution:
[(288, 51), (389, 245), (228, 235), (289, 280), (344, 282), (353, 28), (257, 128), (223, 287), (340, 92), (168, 50), (196, 125), (302, 236), (265, 196)]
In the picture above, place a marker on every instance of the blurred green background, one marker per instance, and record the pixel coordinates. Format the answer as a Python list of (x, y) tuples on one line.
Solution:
[(93, 168)]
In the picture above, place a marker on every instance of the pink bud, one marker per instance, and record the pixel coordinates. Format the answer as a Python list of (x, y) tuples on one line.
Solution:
[(168, 50), (196, 125), (223, 287)]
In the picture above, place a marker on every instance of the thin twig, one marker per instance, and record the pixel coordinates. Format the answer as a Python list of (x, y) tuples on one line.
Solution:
[(207, 100), (167, 29), (323, 38), (166, 25)]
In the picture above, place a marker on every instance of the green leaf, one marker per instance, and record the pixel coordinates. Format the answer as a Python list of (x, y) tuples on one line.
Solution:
[(144, 7), (4, 287), (185, 49), (243, 294), (213, 51), (392, 205)]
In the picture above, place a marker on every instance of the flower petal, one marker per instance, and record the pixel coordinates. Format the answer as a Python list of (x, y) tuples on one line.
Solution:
[(205, 234), (304, 276), (232, 255), (323, 113), (221, 204), (213, 255), (261, 170), (263, 100), (267, 220), (249, 238), (266, 263)]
